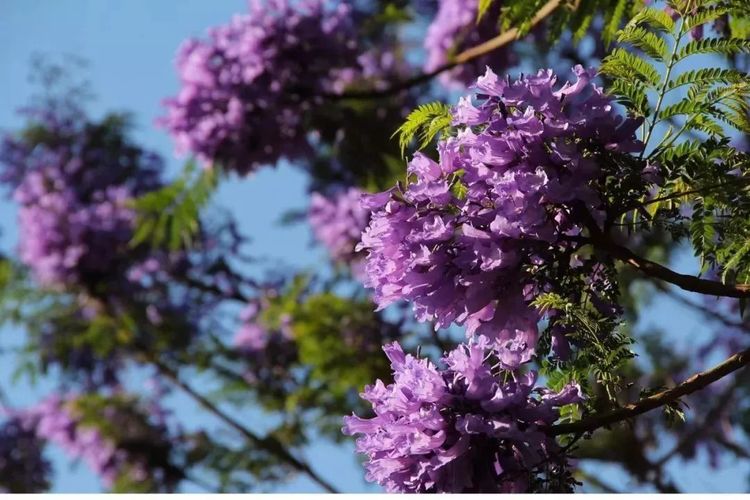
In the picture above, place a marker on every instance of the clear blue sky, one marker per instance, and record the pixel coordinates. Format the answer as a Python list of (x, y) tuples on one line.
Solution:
[(130, 47)]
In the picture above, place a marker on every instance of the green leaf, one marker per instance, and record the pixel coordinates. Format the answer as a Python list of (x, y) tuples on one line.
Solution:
[(428, 120), (632, 95), (484, 6), (726, 46), (704, 16), (170, 215), (612, 21), (657, 19), (708, 76), (652, 45), (622, 64)]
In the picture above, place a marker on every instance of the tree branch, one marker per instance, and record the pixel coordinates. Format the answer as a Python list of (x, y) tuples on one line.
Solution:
[(464, 57), (692, 384), (690, 283), (270, 444)]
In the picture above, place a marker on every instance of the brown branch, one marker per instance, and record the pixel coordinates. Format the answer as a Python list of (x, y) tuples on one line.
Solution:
[(464, 57), (692, 384), (688, 440), (270, 444), (652, 269)]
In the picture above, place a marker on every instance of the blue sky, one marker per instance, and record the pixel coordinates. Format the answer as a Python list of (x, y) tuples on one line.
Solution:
[(130, 47)]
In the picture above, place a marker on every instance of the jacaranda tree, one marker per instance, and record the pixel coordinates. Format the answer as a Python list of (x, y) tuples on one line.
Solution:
[(502, 187)]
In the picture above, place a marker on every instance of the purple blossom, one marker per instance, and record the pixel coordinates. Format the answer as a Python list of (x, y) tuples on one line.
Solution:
[(247, 88), (463, 239), (23, 468), (455, 29), (54, 421), (58, 419), (463, 428), (74, 182), (337, 223)]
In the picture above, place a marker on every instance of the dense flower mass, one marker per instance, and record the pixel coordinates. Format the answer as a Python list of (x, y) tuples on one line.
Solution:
[(74, 180), (23, 468), (462, 240), (246, 89), (53, 421), (454, 29), (459, 429), (338, 221), (58, 420)]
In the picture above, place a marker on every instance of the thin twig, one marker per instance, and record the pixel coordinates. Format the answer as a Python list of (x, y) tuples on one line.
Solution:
[(267, 443), (695, 383), (464, 57), (602, 241)]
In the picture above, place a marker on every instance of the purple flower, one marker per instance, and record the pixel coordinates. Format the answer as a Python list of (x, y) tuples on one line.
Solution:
[(246, 90), (455, 29), (74, 180), (59, 420), (463, 240), (337, 223), (464, 428)]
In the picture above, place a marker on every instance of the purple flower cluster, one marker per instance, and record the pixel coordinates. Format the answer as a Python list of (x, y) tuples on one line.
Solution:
[(247, 88), (63, 238), (268, 351), (54, 421), (133, 448), (73, 183), (455, 29), (337, 222), (464, 428), (463, 239), (23, 468)]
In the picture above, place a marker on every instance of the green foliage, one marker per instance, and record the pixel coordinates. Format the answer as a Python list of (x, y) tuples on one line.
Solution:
[(169, 217), (724, 46), (650, 43), (626, 66), (602, 347), (426, 122), (484, 5)]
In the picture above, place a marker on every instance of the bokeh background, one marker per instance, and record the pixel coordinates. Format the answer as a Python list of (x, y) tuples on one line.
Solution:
[(129, 48)]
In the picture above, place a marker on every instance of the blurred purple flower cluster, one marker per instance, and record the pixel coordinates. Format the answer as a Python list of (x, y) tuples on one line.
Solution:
[(268, 352), (54, 421), (468, 427), (246, 90), (58, 420), (454, 29), (462, 239), (337, 222), (74, 180), (23, 468)]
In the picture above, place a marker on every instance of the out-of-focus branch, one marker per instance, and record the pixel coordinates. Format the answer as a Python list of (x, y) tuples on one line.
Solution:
[(689, 439), (464, 57), (267, 443), (692, 384)]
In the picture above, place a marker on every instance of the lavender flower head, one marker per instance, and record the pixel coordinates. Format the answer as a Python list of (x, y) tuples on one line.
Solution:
[(337, 223), (74, 180), (23, 468), (463, 239), (460, 429), (54, 421), (59, 420), (455, 29), (247, 88)]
